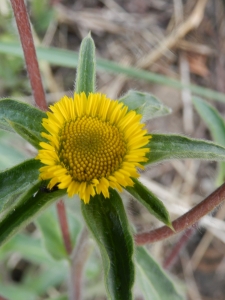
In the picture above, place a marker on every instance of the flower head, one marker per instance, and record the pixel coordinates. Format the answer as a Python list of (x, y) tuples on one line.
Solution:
[(93, 143)]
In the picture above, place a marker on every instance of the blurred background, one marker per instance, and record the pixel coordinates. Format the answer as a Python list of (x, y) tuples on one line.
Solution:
[(182, 40)]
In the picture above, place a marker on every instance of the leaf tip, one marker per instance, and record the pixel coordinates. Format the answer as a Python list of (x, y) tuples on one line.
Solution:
[(170, 225)]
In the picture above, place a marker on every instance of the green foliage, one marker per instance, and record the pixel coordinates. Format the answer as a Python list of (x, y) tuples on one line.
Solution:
[(150, 201), (154, 282), (23, 118), (31, 203), (107, 221), (170, 146), (9, 154), (216, 125), (66, 58), (35, 282), (15, 181), (42, 14), (10, 73), (85, 78), (145, 104), (23, 196), (51, 233)]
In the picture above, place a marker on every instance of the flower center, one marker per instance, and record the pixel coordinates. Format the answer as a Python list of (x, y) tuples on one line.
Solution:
[(90, 148)]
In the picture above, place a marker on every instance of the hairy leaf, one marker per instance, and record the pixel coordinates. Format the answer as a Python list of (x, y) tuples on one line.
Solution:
[(145, 104), (150, 201), (85, 78), (27, 207), (16, 180), (170, 146), (107, 221), (22, 117), (150, 273)]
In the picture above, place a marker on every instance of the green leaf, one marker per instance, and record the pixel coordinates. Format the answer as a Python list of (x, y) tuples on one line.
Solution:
[(66, 58), (48, 278), (150, 273), (27, 207), (16, 180), (52, 236), (85, 78), (29, 248), (23, 118), (61, 297), (107, 221), (216, 125), (145, 286), (212, 118), (48, 223), (150, 201), (26, 134), (145, 104), (15, 291), (11, 150), (170, 146)]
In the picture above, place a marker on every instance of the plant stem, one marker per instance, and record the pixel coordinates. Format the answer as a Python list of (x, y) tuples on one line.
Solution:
[(185, 221), (171, 259), (64, 226), (24, 28), (79, 258)]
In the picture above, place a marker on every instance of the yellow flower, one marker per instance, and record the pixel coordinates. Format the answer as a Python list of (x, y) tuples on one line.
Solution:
[(93, 143)]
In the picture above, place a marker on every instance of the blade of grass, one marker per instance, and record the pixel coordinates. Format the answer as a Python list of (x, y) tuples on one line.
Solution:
[(66, 58)]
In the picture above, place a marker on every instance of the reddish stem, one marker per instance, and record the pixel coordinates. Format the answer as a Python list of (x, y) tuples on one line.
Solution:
[(171, 259), (64, 226), (23, 25), (79, 258), (185, 221)]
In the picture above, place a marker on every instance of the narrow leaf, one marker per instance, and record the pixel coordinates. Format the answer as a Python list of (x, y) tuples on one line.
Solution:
[(26, 134), (159, 282), (22, 114), (145, 104), (212, 118), (216, 125), (28, 206), (167, 146), (107, 221), (150, 201), (145, 286), (67, 58), (16, 180), (85, 78)]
